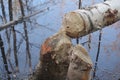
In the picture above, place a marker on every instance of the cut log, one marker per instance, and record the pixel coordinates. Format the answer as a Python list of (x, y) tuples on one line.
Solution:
[(84, 21)]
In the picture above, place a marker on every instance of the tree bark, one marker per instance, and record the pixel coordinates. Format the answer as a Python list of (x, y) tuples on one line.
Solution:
[(81, 22)]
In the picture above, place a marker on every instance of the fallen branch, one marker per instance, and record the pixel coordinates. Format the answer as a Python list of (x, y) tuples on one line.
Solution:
[(20, 19)]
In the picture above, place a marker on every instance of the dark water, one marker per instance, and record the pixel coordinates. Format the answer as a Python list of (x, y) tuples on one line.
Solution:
[(109, 61)]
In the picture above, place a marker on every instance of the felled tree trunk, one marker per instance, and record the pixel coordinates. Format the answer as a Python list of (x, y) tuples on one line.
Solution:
[(81, 22)]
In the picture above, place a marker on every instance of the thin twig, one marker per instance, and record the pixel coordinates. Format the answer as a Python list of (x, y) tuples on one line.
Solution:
[(20, 19), (89, 41), (98, 52)]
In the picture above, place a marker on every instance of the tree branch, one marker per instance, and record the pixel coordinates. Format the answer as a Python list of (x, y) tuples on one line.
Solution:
[(20, 19)]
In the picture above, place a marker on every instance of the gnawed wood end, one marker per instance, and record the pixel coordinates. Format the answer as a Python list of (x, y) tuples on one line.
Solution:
[(54, 58), (81, 52), (80, 64), (73, 24)]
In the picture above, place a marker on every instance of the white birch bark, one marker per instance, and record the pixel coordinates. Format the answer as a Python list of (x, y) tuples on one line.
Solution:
[(84, 21)]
